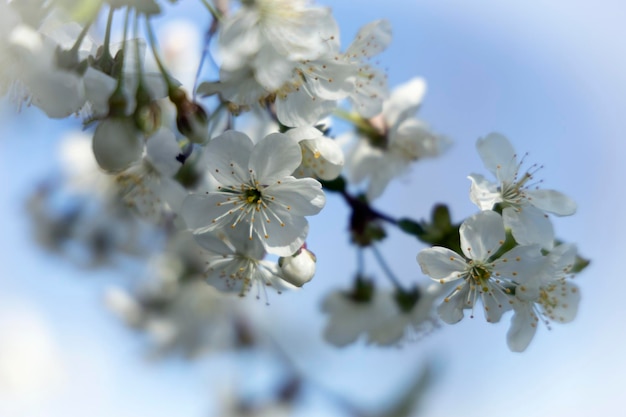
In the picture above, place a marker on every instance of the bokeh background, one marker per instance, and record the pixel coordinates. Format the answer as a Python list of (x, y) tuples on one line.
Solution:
[(549, 75)]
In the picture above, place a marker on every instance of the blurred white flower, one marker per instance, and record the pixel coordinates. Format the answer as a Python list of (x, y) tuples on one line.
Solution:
[(394, 141)]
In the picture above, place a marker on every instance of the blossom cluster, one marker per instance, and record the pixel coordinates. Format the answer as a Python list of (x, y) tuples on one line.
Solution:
[(530, 276), (187, 163)]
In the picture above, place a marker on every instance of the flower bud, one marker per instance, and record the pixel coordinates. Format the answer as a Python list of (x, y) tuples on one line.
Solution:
[(192, 121), (299, 268), (117, 143)]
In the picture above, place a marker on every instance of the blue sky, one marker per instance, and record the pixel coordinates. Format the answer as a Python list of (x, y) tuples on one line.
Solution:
[(552, 77)]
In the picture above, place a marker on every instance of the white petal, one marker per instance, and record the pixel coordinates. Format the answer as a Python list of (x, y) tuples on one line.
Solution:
[(498, 155), (521, 264), (300, 109), (482, 234), (416, 141), (284, 240), (523, 327), (228, 157), (239, 238), (328, 79), (529, 225), (552, 201), (363, 161), (213, 243), (272, 69), (483, 193), (562, 257), (495, 303), (451, 309), (369, 93), (304, 197), (385, 169), (303, 133), (98, 88), (441, 264), (404, 101), (162, 150), (199, 210), (238, 39), (371, 39), (274, 158), (563, 302)]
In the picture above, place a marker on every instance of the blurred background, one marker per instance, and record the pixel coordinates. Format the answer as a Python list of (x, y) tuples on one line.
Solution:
[(551, 76)]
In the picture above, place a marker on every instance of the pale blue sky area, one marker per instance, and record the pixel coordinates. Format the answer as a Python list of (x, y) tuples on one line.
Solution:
[(551, 77)]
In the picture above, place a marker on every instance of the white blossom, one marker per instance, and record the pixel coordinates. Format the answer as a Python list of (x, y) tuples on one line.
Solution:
[(147, 184), (549, 297), (386, 317), (257, 192), (396, 140), (523, 204), (478, 274), (270, 35), (235, 263)]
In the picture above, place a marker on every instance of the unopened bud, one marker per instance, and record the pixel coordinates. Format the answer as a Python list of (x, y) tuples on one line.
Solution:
[(117, 143), (191, 119), (299, 268), (193, 122)]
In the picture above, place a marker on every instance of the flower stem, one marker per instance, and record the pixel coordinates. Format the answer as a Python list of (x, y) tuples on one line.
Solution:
[(386, 269), (153, 46), (81, 37)]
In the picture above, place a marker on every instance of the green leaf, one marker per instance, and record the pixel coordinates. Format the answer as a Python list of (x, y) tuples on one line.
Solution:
[(579, 264), (411, 227), (337, 185)]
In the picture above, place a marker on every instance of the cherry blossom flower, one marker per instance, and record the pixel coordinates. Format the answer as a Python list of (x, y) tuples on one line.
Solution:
[(523, 203), (550, 297), (257, 192), (235, 263), (386, 317), (396, 139), (479, 274), (147, 185), (270, 35)]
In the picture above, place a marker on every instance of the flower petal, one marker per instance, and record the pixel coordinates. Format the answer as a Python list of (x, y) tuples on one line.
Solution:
[(451, 309), (498, 155), (301, 197), (481, 235), (274, 157), (404, 101), (523, 327), (199, 210), (162, 150), (441, 264), (562, 303), (552, 201), (228, 158), (301, 109), (483, 193), (529, 225), (286, 238)]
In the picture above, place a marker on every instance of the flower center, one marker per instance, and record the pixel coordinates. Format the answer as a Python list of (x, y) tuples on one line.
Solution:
[(479, 273), (252, 196)]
